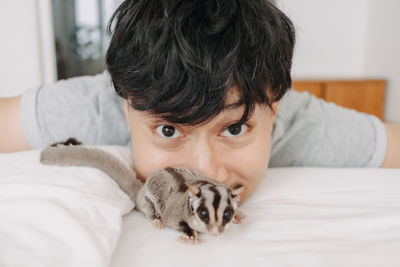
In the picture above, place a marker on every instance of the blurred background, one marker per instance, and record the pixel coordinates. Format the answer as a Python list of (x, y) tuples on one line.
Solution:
[(46, 40), (80, 34)]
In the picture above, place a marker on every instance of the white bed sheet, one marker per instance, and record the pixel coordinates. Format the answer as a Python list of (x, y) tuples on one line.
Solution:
[(57, 216), (298, 217)]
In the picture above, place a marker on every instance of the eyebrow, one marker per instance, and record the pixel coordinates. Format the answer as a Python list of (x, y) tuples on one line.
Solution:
[(234, 105), (155, 119)]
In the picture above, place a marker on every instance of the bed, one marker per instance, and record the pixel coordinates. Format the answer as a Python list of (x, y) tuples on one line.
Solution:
[(75, 216)]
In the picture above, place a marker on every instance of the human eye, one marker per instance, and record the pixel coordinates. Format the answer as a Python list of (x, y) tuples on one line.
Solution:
[(168, 131), (235, 130)]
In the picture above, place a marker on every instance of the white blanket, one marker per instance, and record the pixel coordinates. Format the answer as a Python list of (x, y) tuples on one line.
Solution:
[(57, 216)]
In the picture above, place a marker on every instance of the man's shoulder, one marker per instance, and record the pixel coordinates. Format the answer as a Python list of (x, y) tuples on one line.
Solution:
[(90, 83)]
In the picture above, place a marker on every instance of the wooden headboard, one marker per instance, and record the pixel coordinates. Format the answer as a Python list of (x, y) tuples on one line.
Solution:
[(362, 95)]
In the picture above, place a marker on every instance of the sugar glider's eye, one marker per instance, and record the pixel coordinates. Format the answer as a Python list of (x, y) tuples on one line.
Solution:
[(203, 214), (228, 213)]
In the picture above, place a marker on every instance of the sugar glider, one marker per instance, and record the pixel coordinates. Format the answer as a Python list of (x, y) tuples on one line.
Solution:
[(175, 197)]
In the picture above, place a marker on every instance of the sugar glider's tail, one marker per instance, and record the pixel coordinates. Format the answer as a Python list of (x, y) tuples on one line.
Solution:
[(67, 155)]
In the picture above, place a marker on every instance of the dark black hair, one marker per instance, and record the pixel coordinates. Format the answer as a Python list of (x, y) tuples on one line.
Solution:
[(178, 59)]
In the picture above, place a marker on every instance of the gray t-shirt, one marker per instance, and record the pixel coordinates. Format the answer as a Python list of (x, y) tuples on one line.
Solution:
[(307, 131)]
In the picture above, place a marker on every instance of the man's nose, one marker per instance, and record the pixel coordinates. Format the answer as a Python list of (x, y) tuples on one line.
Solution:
[(207, 160)]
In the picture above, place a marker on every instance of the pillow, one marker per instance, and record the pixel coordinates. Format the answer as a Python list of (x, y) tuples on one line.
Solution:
[(58, 216)]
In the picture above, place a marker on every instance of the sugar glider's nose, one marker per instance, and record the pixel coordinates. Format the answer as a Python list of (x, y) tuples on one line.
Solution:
[(215, 231)]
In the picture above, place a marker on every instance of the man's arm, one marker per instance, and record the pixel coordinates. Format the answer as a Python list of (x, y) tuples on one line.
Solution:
[(12, 136), (392, 157)]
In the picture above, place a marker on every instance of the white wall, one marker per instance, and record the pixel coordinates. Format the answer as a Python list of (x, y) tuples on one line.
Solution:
[(348, 39), (26, 47), (382, 54), (330, 37)]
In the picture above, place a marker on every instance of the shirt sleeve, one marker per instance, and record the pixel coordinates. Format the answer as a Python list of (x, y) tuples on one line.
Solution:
[(86, 108), (309, 131)]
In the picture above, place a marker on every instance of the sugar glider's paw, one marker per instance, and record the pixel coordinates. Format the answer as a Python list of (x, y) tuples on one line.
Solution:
[(239, 217), (157, 223), (194, 239)]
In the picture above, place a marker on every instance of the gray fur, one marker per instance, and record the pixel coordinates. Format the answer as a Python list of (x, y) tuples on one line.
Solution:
[(164, 197), (62, 155)]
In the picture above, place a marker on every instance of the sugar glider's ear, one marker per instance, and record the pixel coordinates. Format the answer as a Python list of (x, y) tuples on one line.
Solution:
[(193, 189), (237, 192)]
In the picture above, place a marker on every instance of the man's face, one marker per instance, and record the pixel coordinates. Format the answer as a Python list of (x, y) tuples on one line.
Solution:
[(235, 155)]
